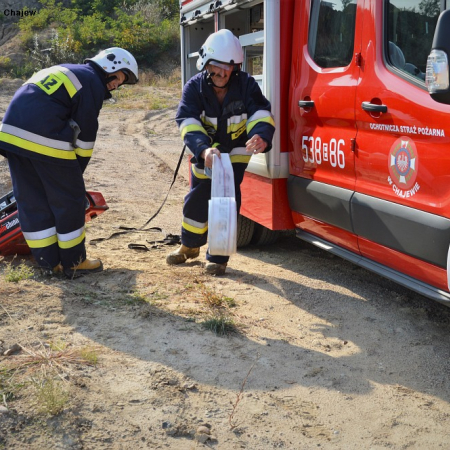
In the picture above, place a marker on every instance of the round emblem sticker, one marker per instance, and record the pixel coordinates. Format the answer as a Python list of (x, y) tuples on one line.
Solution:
[(403, 163)]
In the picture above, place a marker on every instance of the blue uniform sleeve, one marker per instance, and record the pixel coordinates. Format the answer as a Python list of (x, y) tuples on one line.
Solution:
[(85, 113), (189, 119)]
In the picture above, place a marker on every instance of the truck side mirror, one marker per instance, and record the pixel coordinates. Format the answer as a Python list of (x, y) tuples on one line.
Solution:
[(437, 74)]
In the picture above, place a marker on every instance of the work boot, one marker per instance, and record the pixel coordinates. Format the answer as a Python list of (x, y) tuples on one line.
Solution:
[(58, 269), (215, 268), (46, 271), (84, 268), (182, 254)]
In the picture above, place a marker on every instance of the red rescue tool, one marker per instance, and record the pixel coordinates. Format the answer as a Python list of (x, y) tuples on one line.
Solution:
[(12, 241)]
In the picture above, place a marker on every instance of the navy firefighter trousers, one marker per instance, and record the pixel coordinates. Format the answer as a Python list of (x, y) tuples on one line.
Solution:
[(194, 230), (51, 201)]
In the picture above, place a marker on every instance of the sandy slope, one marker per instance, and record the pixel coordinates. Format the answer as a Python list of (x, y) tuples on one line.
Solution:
[(326, 354)]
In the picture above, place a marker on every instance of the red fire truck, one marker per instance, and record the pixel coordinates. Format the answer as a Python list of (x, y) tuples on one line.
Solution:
[(361, 158)]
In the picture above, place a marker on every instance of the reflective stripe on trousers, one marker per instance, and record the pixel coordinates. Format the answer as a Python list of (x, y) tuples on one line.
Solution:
[(194, 230), (51, 204)]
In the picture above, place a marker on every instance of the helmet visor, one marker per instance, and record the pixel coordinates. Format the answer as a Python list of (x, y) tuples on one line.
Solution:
[(130, 77), (221, 65)]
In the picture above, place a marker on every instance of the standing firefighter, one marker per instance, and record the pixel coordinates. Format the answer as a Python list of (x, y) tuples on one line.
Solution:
[(48, 134), (222, 110)]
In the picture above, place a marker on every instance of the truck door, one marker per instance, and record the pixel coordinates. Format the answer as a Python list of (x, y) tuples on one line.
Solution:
[(401, 208), (323, 89)]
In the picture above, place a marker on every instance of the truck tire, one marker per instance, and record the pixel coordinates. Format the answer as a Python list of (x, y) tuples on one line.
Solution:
[(245, 228), (264, 236)]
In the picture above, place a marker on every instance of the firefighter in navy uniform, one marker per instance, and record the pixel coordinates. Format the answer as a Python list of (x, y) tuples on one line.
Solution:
[(222, 110), (48, 134)]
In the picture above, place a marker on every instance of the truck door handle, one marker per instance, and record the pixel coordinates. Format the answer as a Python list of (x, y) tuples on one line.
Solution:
[(306, 104), (372, 107)]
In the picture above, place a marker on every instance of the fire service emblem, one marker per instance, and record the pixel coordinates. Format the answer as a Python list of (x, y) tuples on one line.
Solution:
[(403, 165)]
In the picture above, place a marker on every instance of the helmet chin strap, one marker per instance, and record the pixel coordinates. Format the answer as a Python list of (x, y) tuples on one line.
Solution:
[(110, 78), (114, 77), (210, 80)]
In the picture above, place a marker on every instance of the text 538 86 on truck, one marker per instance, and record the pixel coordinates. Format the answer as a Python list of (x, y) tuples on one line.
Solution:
[(361, 159)]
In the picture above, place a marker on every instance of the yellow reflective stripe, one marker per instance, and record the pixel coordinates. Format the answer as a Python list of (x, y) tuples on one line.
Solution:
[(41, 243), (238, 133), (40, 239), (37, 148), (232, 127), (71, 89), (36, 138), (84, 153), (209, 124), (193, 228), (215, 145), (267, 119), (236, 125), (70, 240), (84, 145), (192, 128), (210, 121), (198, 173), (49, 80), (239, 158)]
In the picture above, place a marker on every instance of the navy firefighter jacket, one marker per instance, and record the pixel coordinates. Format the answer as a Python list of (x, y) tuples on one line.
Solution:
[(53, 117), (205, 123)]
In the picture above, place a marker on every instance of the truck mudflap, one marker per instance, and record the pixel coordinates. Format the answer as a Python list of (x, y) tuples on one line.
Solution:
[(12, 241)]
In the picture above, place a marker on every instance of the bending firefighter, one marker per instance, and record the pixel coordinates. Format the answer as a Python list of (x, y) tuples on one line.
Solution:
[(48, 134), (222, 110)]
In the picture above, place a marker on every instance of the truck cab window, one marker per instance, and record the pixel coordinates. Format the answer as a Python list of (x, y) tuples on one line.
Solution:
[(332, 32), (410, 30)]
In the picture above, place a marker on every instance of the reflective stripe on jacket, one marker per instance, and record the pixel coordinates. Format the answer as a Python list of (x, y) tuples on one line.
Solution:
[(54, 115), (204, 123)]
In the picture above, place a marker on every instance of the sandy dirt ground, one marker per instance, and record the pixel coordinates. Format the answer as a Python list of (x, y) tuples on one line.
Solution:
[(323, 354)]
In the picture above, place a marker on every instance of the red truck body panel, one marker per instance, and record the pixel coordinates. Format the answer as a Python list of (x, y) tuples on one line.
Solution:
[(361, 157)]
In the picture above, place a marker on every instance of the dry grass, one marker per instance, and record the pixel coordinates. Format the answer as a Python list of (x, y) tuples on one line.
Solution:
[(239, 396), (219, 319), (150, 78), (51, 395), (44, 371), (50, 358), (215, 300), (152, 92)]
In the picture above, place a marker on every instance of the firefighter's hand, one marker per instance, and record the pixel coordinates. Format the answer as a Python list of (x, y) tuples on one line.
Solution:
[(208, 154), (255, 145)]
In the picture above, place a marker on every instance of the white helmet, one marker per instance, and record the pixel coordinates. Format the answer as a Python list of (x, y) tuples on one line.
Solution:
[(113, 59), (222, 46)]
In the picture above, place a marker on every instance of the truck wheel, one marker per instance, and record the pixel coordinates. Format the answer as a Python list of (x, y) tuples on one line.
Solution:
[(245, 228), (264, 236)]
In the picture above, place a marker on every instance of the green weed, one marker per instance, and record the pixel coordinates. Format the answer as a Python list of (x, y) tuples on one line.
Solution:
[(215, 300), (51, 396), (219, 324), (41, 369), (13, 274), (9, 387), (58, 346), (89, 355)]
